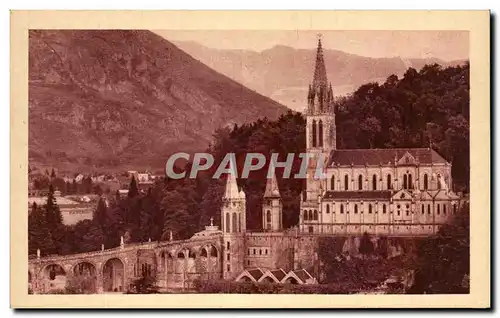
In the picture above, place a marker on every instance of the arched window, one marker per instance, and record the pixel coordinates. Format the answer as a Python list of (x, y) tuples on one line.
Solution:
[(328, 208), (228, 223), (305, 215), (360, 182), (235, 227), (410, 181), (268, 216), (444, 209), (315, 215), (314, 133), (369, 208), (423, 209), (399, 209), (374, 182), (384, 209), (389, 182), (407, 210), (439, 183), (355, 208), (438, 209), (341, 209), (405, 181), (332, 183), (320, 133), (311, 215), (428, 209), (426, 182), (346, 182)]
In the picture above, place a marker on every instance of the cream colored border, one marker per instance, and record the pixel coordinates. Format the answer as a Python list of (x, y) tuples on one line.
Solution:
[(477, 22)]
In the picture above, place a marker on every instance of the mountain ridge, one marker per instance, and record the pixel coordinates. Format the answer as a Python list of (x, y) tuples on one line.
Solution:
[(100, 99)]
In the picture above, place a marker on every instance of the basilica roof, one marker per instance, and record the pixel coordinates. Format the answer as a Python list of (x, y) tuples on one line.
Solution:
[(367, 195), (361, 157)]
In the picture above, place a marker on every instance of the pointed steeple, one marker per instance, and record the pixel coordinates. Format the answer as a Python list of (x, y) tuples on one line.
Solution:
[(320, 80), (232, 191), (272, 190)]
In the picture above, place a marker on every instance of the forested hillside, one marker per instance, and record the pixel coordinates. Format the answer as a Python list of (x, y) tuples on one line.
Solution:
[(422, 108)]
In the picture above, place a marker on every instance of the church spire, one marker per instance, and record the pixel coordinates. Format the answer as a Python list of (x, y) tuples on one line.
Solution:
[(272, 190), (232, 190), (320, 79)]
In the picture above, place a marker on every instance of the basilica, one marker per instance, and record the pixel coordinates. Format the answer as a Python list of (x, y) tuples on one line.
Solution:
[(401, 192)]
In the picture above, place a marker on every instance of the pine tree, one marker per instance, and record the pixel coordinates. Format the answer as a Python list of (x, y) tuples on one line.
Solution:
[(100, 213), (39, 236), (53, 174), (133, 191), (52, 212)]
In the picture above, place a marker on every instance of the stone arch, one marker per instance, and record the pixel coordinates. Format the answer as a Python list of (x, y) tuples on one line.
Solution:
[(85, 275), (53, 277), (113, 275)]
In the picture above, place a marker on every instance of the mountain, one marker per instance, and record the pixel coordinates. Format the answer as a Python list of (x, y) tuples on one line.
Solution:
[(126, 99), (283, 73)]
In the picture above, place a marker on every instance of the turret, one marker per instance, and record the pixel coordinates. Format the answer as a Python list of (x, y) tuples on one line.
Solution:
[(272, 208)]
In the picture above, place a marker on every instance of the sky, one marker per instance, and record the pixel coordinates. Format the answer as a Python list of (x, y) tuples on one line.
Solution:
[(445, 45)]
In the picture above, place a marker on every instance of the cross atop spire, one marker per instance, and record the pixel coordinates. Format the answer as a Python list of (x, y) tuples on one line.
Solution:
[(320, 79)]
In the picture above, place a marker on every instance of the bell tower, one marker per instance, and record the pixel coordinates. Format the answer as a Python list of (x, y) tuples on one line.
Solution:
[(320, 113), (272, 208), (321, 138), (233, 219)]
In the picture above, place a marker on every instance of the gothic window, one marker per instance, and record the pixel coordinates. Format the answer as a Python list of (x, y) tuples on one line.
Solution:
[(327, 208), (369, 208), (260, 251), (234, 222), (320, 133), (355, 208), (332, 183), (384, 209), (426, 182), (346, 182), (389, 182), (410, 181), (228, 222), (428, 209), (314, 133), (341, 209), (374, 182), (423, 209), (268, 216), (315, 215), (239, 222), (444, 209), (305, 215), (438, 209), (360, 182), (439, 183), (311, 215), (405, 181)]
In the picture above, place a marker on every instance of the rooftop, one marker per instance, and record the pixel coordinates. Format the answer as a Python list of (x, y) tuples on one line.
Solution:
[(361, 157)]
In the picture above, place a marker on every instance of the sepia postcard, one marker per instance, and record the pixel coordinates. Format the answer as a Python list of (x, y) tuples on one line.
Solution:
[(250, 159)]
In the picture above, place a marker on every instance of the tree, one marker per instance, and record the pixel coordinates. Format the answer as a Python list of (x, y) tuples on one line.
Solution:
[(145, 285), (133, 191), (443, 261), (52, 212), (366, 245), (53, 174), (39, 236)]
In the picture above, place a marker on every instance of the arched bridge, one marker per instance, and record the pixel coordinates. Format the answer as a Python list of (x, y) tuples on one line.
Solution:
[(174, 264)]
